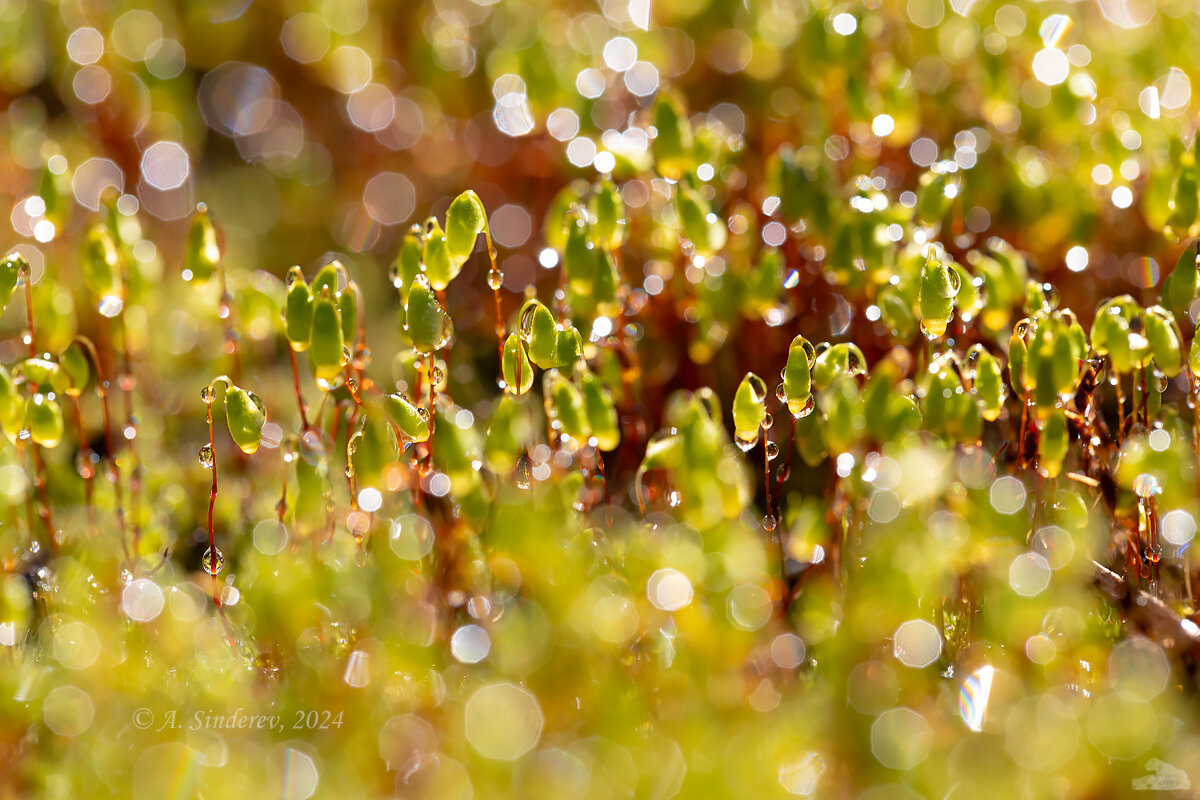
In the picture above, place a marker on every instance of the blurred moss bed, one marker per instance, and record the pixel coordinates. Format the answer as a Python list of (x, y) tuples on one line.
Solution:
[(812, 392)]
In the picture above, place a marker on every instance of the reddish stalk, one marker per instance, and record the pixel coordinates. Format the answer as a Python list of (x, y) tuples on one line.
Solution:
[(432, 384), (40, 482), (214, 554), (110, 445), (85, 452), (495, 280), (769, 522), (296, 386)]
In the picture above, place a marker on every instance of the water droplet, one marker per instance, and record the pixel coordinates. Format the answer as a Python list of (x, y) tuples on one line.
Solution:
[(769, 522), (352, 385), (206, 457), (780, 393), (746, 444), (523, 472), (1152, 553), (110, 305), (768, 421), (213, 561), (1145, 485), (934, 329), (206, 395), (772, 451), (495, 279), (447, 334), (801, 411), (783, 473), (436, 375)]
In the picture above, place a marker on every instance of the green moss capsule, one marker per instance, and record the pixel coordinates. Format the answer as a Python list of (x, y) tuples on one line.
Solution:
[(245, 415), (328, 277), (327, 348), (1181, 286), (311, 489), (540, 332), (298, 311), (1166, 343), (989, 383), (508, 434), (12, 267), (101, 263), (939, 287), (749, 409), (1111, 333), (409, 418), (44, 419), (202, 253), (518, 372), (10, 400), (465, 220), (369, 450), (42, 373), (569, 350), (697, 222), (1184, 204), (425, 319), (579, 259), (407, 265), (605, 294), (348, 312), (797, 377), (1018, 354), (608, 212), (565, 406), (601, 411), (439, 267), (672, 145), (936, 191), (1053, 442), (843, 358), (77, 368)]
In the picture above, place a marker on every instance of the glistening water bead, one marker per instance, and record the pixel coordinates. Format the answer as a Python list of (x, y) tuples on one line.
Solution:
[(213, 561)]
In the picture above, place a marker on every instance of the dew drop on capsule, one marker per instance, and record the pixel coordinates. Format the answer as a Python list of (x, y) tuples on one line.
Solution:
[(746, 444), (206, 456), (800, 412), (934, 329)]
